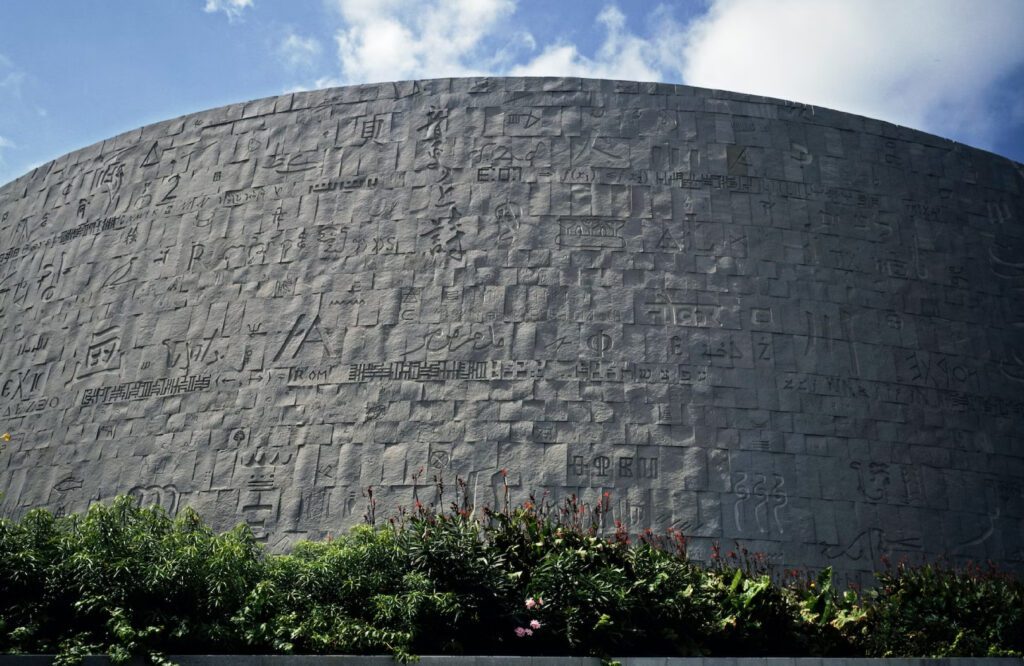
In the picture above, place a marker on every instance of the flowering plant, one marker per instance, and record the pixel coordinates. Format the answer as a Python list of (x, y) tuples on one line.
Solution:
[(531, 604)]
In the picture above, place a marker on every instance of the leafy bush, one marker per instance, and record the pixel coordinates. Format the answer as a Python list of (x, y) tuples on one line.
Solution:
[(355, 595), (600, 596), (122, 579), (945, 612), (125, 580)]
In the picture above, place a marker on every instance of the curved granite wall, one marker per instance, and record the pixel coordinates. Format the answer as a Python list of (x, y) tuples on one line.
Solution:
[(746, 319)]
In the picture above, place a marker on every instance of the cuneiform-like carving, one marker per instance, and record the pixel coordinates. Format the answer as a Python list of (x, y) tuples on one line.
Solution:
[(142, 390)]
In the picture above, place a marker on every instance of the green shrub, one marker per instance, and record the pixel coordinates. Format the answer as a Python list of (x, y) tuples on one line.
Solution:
[(600, 596), (534, 579), (123, 580), (353, 595), (942, 611)]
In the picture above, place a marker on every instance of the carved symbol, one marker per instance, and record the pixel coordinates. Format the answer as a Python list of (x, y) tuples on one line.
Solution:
[(259, 505), (669, 242), (315, 505), (371, 126), (260, 478), (307, 335), (196, 254), (153, 156), (439, 459), (444, 195), (446, 234), (195, 351), (874, 487), (600, 343), (737, 160), (382, 207), (508, 216), (815, 332), (119, 275), (984, 536), (103, 353), (174, 180), (162, 496), (724, 349), (52, 273), (872, 543), (776, 497), (524, 120), (23, 384), (593, 233), (375, 411), (800, 154), (558, 344), (544, 432), (262, 456), (67, 484)]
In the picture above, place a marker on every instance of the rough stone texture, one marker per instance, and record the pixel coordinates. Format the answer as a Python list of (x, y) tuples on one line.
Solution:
[(746, 319)]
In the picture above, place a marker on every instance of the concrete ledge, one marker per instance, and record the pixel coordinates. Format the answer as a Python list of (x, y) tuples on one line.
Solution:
[(439, 660)]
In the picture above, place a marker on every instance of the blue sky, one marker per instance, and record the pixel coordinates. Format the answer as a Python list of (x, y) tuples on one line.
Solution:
[(75, 72)]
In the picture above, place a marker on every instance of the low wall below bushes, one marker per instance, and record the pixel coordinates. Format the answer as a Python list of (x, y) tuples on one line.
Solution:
[(360, 660)]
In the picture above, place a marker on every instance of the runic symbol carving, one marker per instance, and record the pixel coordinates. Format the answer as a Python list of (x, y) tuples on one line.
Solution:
[(669, 242), (304, 335), (153, 156), (738, 160)]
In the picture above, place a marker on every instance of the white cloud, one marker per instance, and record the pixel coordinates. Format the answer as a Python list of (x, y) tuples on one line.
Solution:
[(410, 39), (622, 55), (11, 78), (232, 8), (928, 64), (299, 51), (4, 143)]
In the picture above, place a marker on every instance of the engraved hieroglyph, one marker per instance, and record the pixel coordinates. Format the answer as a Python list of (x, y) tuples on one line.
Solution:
[(747, 319)]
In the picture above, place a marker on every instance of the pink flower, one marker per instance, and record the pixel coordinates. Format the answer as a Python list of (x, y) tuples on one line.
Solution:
[(534, 624), (530, 603), (527, 632), (521, 631)]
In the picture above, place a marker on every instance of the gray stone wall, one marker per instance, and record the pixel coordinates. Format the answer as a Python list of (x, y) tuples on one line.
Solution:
[(746, 319)]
